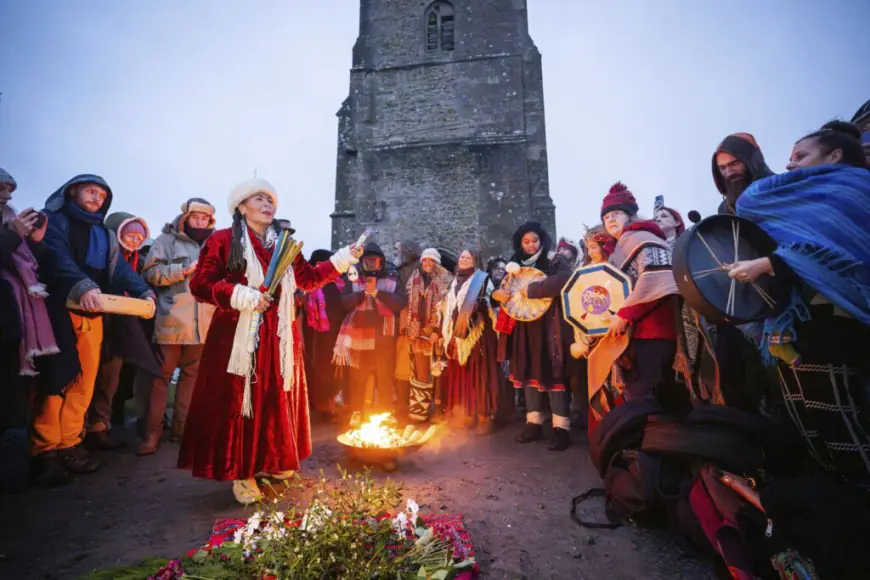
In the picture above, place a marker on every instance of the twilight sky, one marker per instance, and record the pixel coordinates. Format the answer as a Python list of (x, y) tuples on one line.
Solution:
[(169, 100)]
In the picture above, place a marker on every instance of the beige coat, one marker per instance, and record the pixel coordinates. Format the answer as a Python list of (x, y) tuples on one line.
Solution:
[(180, 318)]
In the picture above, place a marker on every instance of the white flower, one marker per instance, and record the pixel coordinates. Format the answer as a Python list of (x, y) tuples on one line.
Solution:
[(413, 510), (315, 517), (400, 524)]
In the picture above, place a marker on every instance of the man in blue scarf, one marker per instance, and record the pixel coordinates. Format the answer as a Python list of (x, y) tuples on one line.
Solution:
[(82, 262)]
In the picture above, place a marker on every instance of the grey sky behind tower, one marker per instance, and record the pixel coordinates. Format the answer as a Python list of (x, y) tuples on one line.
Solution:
[(169, 100)]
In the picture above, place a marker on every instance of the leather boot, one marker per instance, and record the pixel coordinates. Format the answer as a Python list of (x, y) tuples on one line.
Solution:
[(561, 440), (102, 441), (149, 444), (50, 470), (531, 432), (78, 460)]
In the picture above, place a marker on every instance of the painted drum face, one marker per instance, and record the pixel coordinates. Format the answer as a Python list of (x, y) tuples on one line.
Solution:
[(595, 300)]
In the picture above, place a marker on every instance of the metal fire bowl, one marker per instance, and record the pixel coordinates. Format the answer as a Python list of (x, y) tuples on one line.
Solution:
[(379, 456)]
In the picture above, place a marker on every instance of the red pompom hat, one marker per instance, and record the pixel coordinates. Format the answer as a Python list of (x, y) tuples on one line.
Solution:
[(619, 198)]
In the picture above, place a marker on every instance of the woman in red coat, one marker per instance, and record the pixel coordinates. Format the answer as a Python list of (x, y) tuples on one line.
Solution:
[(249, 411)]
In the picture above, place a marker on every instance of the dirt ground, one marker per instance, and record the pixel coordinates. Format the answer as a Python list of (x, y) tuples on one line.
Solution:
[(516, 500)]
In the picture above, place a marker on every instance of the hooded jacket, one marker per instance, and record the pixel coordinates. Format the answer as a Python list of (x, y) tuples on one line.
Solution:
[(747, 151), (116, 222), (180, 318), (67, 275), (66, 279)]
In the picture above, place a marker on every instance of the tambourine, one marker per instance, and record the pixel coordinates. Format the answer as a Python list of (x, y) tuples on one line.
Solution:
[(700, 261)]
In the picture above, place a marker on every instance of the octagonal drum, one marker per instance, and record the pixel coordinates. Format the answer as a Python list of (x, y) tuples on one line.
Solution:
[(593, 295)]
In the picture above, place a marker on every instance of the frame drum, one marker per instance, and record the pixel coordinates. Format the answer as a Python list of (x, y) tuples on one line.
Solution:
[(525, 309), (700, 258), (592, 296)]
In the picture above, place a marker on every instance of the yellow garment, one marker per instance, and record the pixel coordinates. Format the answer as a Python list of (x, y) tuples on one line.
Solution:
[(403, 358), (60, 420)]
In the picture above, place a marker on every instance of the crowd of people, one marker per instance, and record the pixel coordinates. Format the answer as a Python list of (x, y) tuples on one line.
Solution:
[(416, 334)]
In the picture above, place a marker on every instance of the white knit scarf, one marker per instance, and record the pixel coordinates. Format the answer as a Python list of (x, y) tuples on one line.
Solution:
[(244, 342)]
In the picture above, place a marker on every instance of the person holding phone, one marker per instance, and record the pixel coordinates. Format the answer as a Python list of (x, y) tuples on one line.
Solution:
[(366, 342), (25, 329)]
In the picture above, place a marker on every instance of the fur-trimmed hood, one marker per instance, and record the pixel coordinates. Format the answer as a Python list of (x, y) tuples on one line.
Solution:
[(117, 220)]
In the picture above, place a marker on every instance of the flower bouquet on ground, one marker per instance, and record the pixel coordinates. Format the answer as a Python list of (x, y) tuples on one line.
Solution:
[(346, 531)]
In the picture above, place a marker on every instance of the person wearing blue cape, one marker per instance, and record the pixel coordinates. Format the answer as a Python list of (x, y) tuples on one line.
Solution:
[(818, 214)]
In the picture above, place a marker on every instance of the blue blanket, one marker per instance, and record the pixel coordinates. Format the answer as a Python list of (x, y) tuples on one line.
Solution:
[(820, 219)]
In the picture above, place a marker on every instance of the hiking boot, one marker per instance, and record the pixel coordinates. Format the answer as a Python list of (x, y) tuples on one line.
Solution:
[(531, 432), (50, 470), (149, 444), (78, 460), (102, 441)]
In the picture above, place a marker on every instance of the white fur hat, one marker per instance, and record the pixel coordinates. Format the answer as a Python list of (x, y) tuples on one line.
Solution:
[(432, 254), (248, 188)]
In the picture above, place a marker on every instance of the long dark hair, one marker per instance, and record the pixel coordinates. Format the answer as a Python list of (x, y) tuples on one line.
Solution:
[(843, 136)]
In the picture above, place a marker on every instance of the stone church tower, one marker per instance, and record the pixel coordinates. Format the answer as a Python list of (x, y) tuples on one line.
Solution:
[(442, 137)]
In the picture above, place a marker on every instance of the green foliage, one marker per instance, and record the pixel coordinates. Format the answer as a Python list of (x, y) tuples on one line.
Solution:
[(139, 571), (341, 534)]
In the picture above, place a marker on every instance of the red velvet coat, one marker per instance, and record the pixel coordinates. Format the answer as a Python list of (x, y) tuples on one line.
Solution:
[(218, 442)]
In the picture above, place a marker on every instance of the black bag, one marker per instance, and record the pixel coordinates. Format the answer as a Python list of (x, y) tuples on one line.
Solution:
[(620, 429)]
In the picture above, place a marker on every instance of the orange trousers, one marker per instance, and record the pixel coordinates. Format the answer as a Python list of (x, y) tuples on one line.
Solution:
[(60, 419)]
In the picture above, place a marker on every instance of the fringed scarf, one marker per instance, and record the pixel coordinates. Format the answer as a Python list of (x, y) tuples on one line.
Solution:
[(356, 338), (37, 335), (456, 297), (818, 216), (315, 308), (431, 297), (244, 342)]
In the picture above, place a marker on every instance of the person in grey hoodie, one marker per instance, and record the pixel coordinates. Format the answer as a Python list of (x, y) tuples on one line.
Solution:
[(181, 323)]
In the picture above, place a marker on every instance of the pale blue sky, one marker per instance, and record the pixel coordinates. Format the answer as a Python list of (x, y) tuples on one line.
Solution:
[(172, 99)]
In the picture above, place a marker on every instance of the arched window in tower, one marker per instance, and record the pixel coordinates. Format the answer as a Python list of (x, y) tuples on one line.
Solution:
[(440, 19)]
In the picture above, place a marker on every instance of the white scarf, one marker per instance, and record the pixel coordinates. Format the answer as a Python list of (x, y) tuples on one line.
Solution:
[(244, 299)]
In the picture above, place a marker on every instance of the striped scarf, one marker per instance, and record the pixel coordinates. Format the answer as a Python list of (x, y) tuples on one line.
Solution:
[(356, 336)]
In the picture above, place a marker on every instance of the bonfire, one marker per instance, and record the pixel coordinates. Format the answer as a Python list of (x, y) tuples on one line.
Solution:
[(381, 432)]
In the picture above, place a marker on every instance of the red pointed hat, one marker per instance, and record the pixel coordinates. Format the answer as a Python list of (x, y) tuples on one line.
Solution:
[(619, 198)]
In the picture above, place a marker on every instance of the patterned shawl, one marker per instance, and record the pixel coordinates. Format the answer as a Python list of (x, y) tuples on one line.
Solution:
[(430, 296), (642, 253)]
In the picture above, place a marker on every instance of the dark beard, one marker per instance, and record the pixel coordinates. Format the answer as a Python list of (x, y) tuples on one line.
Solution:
[(734, 187)]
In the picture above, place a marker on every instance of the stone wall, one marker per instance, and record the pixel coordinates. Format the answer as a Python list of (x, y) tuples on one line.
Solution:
[(445, 147)]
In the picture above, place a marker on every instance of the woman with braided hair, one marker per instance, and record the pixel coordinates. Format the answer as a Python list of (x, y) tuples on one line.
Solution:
[(249, 411)]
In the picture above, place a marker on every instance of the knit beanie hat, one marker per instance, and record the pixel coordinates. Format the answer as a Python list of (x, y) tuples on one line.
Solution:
[(619, 198), (6, 179), (432, 254), (133, 227), (249, 188)]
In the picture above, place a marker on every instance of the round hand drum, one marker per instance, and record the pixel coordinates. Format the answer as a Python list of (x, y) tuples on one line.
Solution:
[(520, 308), (700, 261), (592, 296)]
